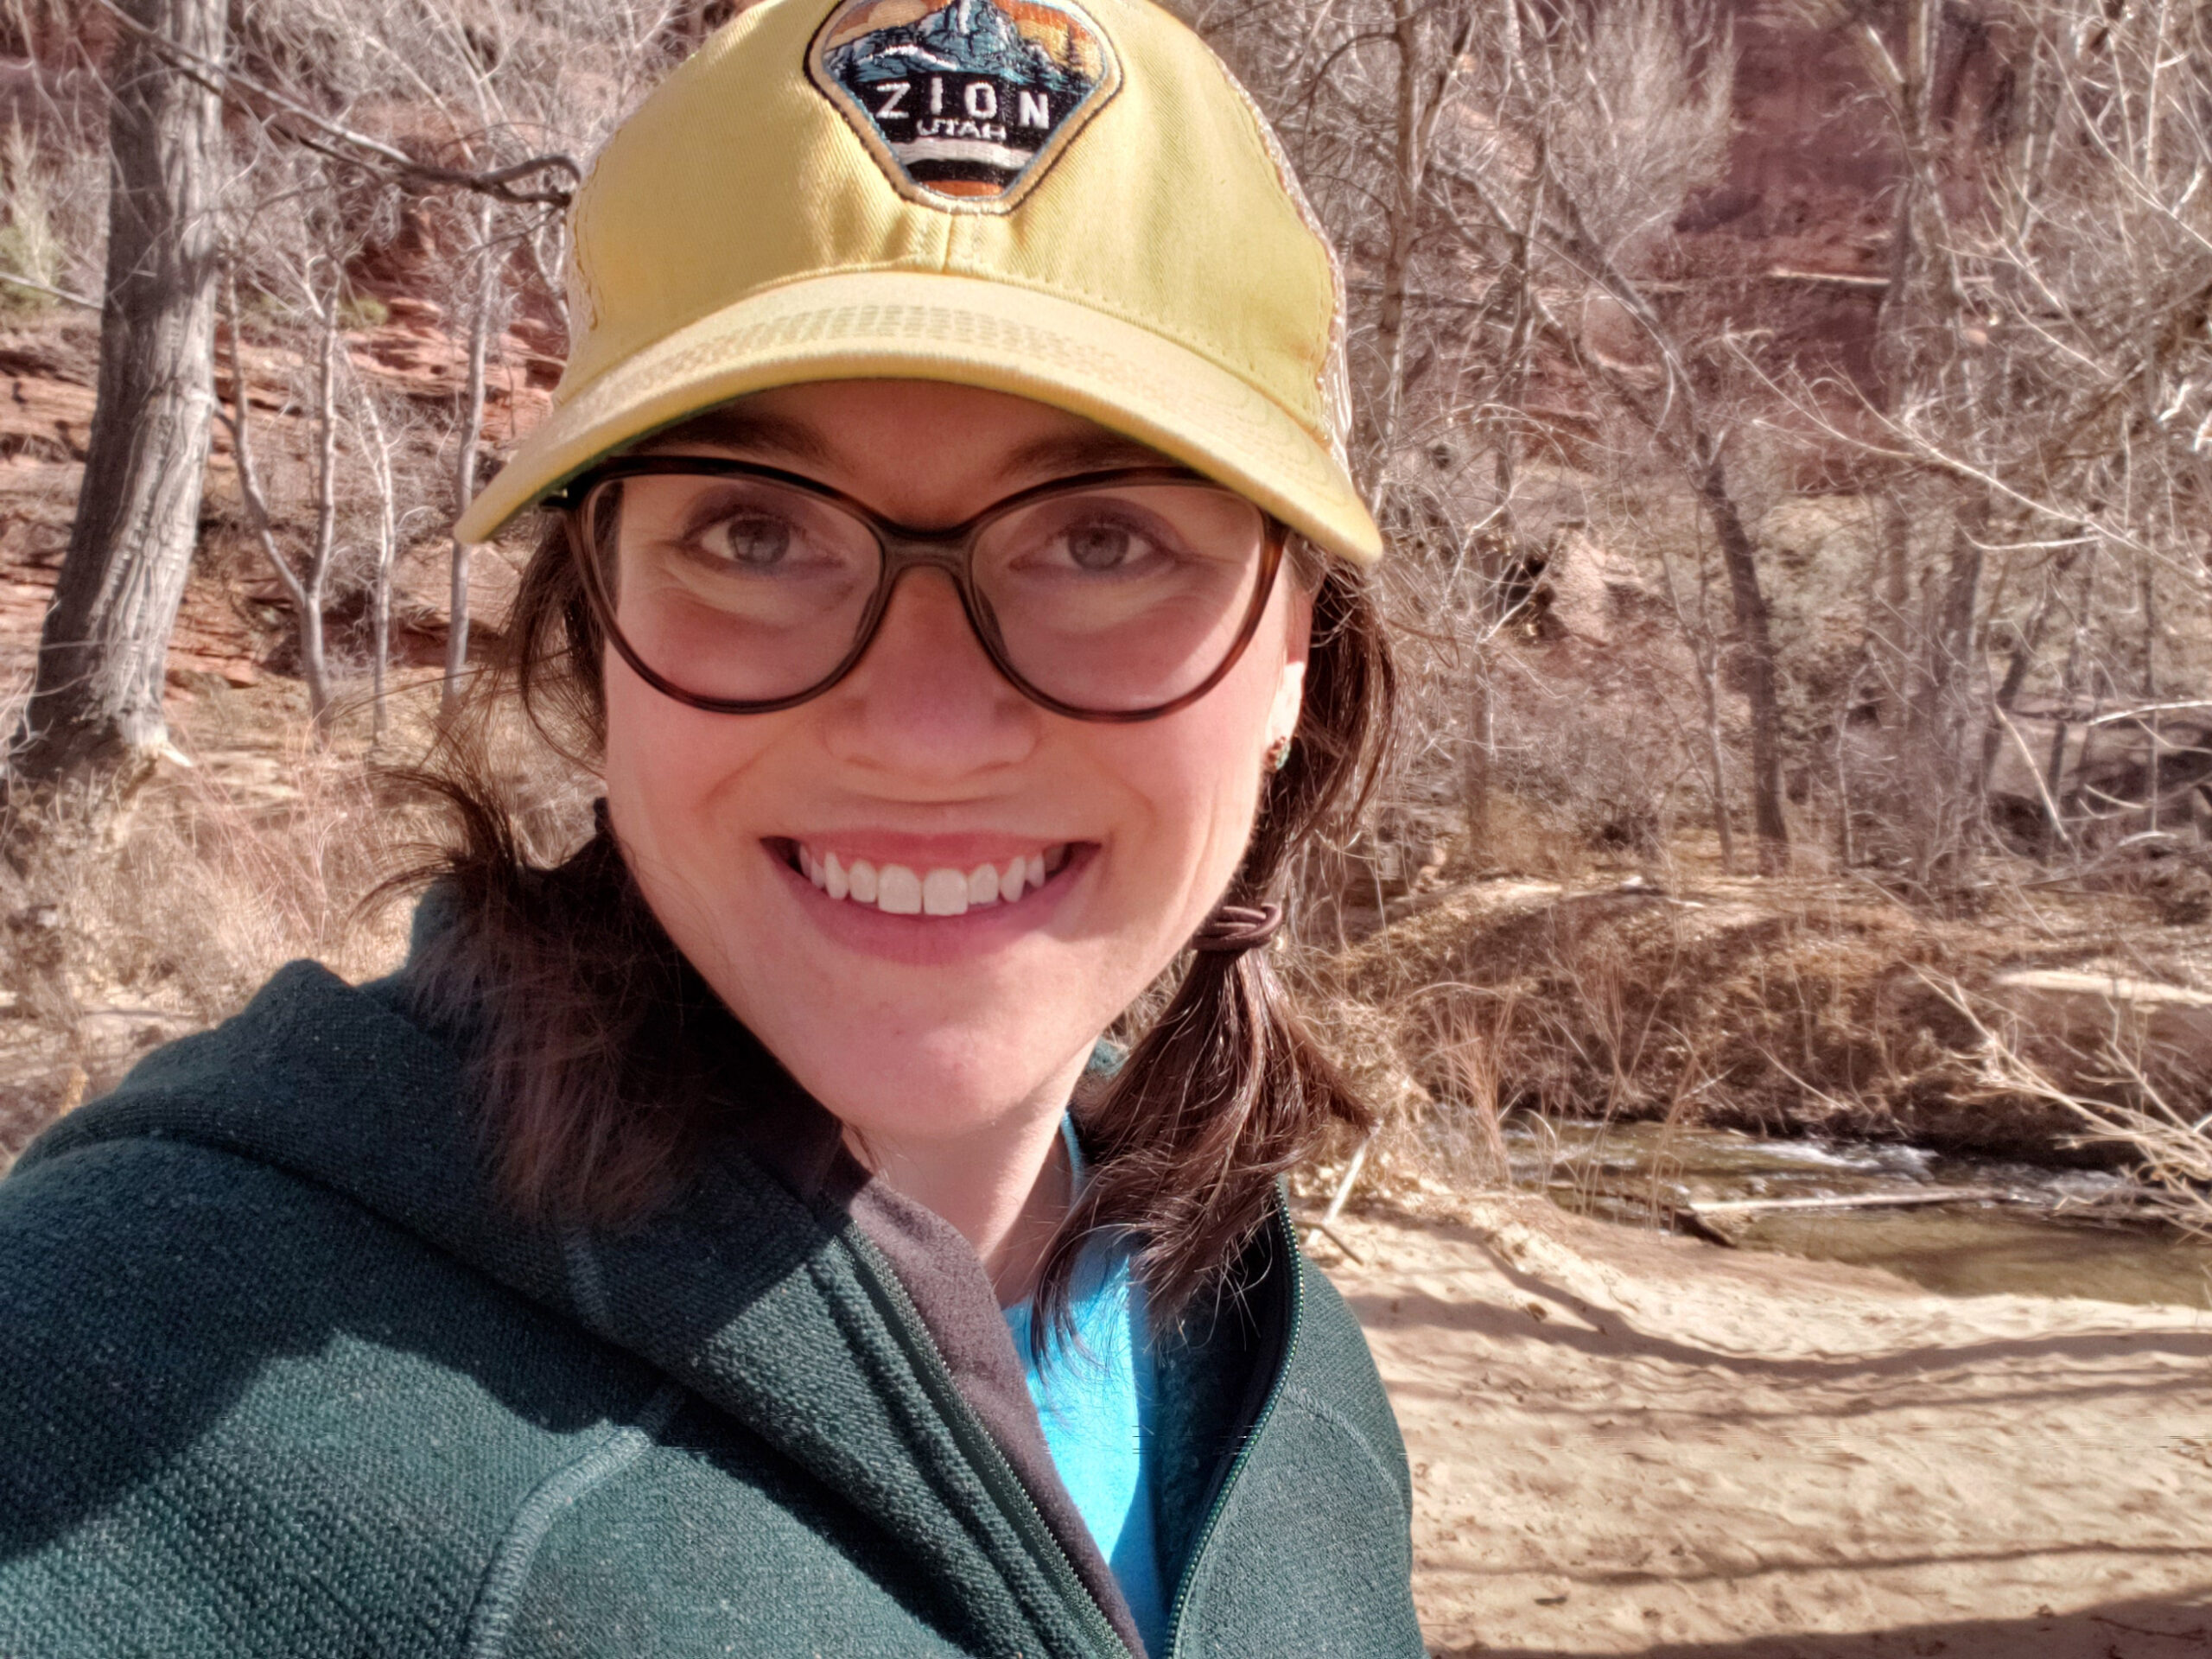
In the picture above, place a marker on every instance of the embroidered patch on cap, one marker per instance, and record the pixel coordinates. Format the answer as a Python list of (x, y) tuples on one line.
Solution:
[(965, 103)]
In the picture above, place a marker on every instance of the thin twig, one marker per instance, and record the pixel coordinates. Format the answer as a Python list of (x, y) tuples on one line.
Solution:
[(9, 279), (2034, 772)]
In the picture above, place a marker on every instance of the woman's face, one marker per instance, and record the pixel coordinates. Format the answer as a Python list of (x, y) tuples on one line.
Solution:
[(922, 1027)]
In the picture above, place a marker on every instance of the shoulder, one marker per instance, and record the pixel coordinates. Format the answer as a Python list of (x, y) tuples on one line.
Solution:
[(235, 1400), (226, 1189), (1316, 1535), (1332, 1375), (159, 1255)]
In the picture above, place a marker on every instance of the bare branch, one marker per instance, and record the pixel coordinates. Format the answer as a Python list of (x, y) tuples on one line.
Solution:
[(374, 152)]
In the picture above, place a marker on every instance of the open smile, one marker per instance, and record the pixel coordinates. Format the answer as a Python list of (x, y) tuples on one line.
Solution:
[(900, 889)]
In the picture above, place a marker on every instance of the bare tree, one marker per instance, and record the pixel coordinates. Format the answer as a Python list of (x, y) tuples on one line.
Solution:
[(2044, 402), (498, 99), (1494, 171), (1619, 120), (1428, 58), (95, 712), (512, 89)]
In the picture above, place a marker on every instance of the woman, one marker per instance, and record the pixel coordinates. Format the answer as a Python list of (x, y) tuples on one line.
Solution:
[(738, 1239)]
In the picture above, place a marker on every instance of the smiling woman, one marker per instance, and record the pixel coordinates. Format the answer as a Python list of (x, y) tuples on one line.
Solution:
[(809, 859), (738, 1238)]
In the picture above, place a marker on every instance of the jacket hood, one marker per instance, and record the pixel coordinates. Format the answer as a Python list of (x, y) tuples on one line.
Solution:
[(759, 1286), (854, 1334)]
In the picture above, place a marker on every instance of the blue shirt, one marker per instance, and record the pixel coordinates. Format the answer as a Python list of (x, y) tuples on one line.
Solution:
[(1095, 1401)]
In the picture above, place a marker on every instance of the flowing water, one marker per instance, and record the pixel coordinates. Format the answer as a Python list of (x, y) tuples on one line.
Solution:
[(2040, 1238)]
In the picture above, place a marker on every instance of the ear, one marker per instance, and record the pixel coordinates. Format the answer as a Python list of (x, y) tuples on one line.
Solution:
[(1290, 694)]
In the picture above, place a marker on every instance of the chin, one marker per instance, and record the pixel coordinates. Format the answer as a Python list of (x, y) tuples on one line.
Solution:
[(944, 1081)]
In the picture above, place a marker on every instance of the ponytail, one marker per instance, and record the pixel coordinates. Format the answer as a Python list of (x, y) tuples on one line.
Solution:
[(1226, 1091)]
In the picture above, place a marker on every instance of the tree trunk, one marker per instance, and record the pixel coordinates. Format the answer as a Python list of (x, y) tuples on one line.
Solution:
[(1697, 633), (2022, 659), (1418, 107), (1494, 545), (1889, 645), (95, 713), (2070, 679), (1946, 710), (2148, 576), (1480, 752), (1755, 630), (378, 453), (1715, 766), (471, 434)]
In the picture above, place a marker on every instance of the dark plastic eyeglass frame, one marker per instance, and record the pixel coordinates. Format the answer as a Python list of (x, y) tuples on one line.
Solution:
[(903, 549)]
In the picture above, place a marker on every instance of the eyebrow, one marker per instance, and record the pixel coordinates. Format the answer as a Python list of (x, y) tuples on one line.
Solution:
[(741, 428), (1093, 451)]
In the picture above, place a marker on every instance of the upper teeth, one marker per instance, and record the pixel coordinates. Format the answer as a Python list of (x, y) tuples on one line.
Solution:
[(896, 889)]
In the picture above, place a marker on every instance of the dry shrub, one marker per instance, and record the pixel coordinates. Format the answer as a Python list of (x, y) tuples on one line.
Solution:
[(1432, 1065), (53, 205), (1593, 764), (2137, 1111), (1788, 1008)]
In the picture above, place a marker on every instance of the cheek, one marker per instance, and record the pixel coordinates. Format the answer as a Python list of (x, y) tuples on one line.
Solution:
[(659, 760), (672, 772), (1199, 774)]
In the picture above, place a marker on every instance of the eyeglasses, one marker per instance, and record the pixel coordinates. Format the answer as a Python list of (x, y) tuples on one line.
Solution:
[(738, 589)]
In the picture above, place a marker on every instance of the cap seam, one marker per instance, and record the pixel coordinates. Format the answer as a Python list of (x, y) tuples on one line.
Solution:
[(1244, 369)]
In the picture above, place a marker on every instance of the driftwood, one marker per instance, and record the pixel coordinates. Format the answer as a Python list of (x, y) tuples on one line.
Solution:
[(1325, 1226), (1704, 1219), (1854, 1200)]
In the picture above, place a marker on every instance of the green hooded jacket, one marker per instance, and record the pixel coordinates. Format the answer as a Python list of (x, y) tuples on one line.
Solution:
[(278, 1376)]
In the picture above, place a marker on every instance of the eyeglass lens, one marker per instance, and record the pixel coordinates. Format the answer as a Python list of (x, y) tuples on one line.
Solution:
[(1109, 599)]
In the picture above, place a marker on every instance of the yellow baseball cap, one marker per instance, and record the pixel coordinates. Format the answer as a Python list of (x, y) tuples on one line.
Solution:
[(1074, 204)]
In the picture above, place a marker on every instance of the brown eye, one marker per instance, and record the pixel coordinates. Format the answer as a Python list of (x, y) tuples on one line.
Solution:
[(753, 541), (1098, 547)]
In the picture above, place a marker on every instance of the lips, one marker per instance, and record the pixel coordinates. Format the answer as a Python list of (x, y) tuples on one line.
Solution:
[(904, 890)]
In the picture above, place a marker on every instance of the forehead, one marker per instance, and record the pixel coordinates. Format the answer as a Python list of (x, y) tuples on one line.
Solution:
[(878, 425)]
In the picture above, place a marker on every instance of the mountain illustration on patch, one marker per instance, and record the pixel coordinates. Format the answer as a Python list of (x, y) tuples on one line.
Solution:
[(964, 98)]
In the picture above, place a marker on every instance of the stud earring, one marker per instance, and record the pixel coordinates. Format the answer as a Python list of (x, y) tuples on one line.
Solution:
[(1278, 755)]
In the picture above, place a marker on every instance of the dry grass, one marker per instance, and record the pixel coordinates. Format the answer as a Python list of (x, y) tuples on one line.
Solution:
[(169, 916)]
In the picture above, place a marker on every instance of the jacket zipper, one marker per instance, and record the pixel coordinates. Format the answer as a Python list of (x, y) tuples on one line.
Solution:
[(1294, 1257), (999, 1476)]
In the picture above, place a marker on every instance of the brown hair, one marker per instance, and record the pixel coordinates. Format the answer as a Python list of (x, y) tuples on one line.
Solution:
[(600, 1053)]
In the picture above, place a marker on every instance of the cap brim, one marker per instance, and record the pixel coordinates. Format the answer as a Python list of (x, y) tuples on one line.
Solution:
[(918, 325)]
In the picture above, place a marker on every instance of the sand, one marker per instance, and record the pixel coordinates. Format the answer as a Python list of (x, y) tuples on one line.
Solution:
[(1624, 1442)]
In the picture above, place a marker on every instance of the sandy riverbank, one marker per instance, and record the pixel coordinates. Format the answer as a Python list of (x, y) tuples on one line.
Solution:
[(1627, 1443)]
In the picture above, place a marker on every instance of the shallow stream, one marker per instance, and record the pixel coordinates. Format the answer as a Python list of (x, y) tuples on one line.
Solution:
[(2038, 1239)]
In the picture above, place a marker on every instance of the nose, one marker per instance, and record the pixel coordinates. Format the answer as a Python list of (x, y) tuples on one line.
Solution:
[(924, 703)]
